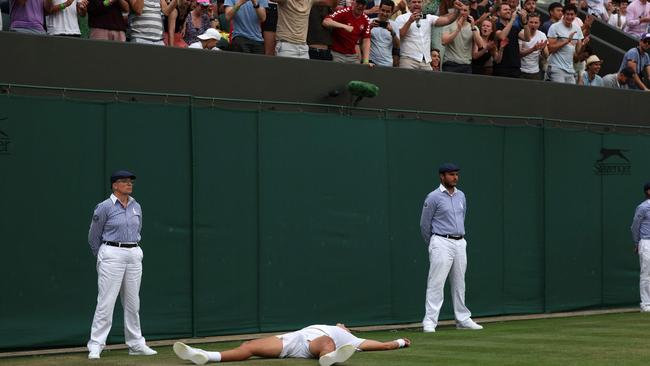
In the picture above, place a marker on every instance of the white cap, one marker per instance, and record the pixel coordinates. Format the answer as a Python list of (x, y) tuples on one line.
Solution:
[(211, 33)]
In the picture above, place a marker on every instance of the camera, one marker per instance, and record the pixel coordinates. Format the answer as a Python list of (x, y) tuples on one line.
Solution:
[(382, 24)]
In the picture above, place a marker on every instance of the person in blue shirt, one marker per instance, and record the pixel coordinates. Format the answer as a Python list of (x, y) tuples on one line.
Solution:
[(641, 238), (638, 59), (246, 17), (590, 76), (442, 226), (114, 238)]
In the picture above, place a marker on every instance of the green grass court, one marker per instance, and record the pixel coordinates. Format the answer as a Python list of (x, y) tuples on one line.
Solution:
[(611, 339)]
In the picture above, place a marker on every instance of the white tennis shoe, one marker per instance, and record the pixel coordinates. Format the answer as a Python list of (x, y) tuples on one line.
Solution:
[(142, 350), (94, 353), (185, 352), (339, 355), (468, 324)]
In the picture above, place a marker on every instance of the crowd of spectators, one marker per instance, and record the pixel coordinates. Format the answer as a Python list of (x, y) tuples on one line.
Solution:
[(490, 37)]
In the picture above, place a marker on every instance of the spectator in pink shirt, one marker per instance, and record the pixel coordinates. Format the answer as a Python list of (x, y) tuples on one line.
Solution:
[(638, 18)]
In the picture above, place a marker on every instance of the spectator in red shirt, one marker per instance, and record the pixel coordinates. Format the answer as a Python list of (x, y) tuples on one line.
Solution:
[(348, 26)]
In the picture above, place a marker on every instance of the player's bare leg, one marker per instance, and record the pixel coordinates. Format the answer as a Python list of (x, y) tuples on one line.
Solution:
[(269, 347)]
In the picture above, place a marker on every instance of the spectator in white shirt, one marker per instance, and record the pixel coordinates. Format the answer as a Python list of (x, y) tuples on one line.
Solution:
[(415, 34), (61, 18), (564, 43), (532, 50), (618, 19)]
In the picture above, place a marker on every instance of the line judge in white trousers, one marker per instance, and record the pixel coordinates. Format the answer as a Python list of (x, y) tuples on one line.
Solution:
[(641, 237), (113, 237), (443, 228)]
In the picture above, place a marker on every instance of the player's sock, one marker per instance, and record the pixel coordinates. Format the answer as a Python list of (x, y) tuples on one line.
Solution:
[(214, 356)]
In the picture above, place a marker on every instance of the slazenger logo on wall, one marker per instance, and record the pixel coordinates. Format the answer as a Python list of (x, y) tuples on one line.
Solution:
[(613, 162)]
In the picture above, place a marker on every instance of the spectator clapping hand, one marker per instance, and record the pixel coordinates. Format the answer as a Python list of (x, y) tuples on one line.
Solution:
[(540, 45)]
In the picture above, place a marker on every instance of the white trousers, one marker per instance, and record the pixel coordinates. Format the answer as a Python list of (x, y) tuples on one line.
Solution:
[(447, 257), (644, 277), (119, 271), (288, 49)]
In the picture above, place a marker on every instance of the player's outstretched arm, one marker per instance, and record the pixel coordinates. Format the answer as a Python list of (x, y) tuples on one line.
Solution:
[(372, 345)]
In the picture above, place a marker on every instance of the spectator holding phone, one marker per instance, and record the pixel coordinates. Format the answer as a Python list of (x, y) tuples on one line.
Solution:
[(384, 36), (245, 17), (415, 34), (509, 28)]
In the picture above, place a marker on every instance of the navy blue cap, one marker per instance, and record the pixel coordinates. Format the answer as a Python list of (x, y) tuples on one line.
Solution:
[(646, 187), (121, 174), (448, 167)]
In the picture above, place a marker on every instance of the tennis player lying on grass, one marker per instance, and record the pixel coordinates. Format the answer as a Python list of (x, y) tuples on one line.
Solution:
[(330, 344)]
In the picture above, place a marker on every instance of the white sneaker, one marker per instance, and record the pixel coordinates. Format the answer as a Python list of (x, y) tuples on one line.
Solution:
[(341, 354), (468, 324), (645, 309), (429, 329), (142, 350), (185, 352), (94, 353)]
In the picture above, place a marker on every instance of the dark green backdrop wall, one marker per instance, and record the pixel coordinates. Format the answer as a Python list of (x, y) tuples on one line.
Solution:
[(264, 220)]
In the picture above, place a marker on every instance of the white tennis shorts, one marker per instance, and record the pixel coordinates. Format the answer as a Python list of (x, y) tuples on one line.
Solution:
[(296, 344)]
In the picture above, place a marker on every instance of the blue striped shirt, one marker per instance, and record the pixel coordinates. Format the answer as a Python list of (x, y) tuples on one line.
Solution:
[(443, 213), (113, 222), (641, 223)]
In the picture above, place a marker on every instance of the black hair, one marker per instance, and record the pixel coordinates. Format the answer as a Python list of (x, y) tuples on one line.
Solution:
[(554, 6), (627, 72), (387, 2), (569, 7)]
